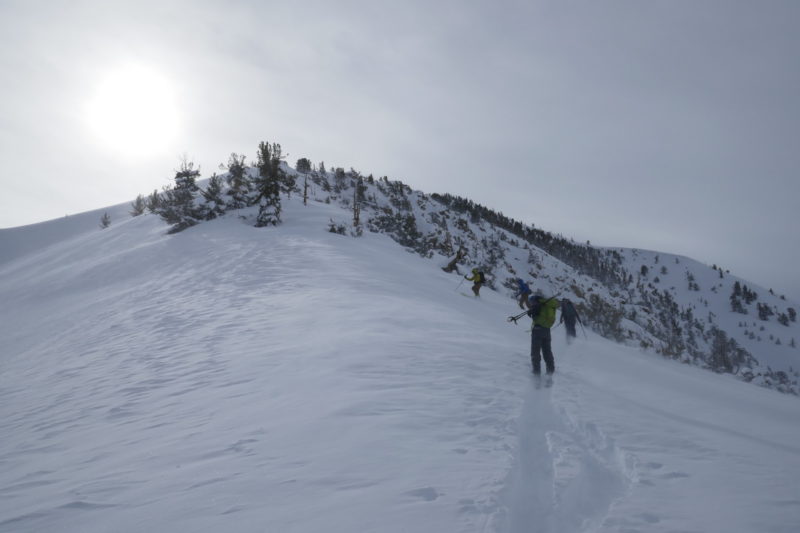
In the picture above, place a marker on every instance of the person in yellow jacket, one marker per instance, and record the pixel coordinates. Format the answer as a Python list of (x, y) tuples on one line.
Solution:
[(543, 313), (478, 279)]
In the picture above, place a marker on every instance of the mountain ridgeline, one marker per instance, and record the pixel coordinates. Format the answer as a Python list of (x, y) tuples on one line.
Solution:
[(672, 305)]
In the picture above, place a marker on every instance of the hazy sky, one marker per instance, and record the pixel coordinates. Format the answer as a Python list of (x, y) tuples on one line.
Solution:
[(671, 125)]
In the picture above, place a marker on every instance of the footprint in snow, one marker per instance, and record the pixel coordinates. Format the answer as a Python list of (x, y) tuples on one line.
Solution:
[(675, 475), (427, 494)]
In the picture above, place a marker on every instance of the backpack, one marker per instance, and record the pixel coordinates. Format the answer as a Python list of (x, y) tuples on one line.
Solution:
[(481, 277), (543, 311), (548, 315)]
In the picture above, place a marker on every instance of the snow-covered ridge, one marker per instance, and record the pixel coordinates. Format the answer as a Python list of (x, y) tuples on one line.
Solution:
[(673, 305), (657, 301), (291, 379)]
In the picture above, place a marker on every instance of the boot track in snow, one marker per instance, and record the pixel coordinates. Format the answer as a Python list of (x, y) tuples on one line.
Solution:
[(566, 475)]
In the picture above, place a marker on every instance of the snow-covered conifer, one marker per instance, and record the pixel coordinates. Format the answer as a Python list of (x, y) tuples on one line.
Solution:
[(303, 166), (240, 187), (213, 204), (178, 206), (268, 184)]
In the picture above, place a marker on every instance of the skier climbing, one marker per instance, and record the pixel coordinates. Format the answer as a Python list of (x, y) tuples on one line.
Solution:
[(568, 316), (523, 293), (452, 265), (477, 279), (543, 312)]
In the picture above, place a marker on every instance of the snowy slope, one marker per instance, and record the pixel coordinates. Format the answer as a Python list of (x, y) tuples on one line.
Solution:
[(768, 340), (673, 305), (292, 380)]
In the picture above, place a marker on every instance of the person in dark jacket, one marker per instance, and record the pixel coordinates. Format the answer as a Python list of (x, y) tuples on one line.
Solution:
[(543, 312), (568, 316)]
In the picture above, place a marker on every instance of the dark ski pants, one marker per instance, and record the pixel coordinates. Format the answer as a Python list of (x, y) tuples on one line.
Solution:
[(540, 347), (570, 326)]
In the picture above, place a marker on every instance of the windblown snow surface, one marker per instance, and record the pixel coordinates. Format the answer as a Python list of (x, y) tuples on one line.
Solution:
[(237, 379)]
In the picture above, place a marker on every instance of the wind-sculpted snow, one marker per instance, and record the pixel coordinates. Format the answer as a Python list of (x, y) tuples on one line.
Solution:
[(241, 379)]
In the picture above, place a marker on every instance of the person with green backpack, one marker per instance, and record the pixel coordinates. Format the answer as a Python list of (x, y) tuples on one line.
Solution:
[(543, 313)]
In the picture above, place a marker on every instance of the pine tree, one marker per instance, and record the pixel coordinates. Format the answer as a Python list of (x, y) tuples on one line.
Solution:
[(268, 185), (178, 204), (213, 204), (719, 359), (764, 311), (105, 221), (338, 180), (138, 206), (736, 303), (748, 295), (154, 202), (240, 187), (303, 166), (357, 199)]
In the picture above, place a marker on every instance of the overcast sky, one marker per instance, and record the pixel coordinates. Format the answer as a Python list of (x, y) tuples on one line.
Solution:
[(671, 125)]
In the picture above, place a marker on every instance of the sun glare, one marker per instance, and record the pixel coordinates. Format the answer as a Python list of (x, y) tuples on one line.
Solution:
[(133, 111)]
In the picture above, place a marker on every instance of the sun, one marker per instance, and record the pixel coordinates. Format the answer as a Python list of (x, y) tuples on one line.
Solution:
[(133, 111)]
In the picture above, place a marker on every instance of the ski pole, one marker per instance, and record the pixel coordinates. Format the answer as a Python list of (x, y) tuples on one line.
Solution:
[(515, 318), (583, 330), (459, 284)]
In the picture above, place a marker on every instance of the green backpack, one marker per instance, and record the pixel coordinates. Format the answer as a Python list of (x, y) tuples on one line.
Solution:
[(543, 312)]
